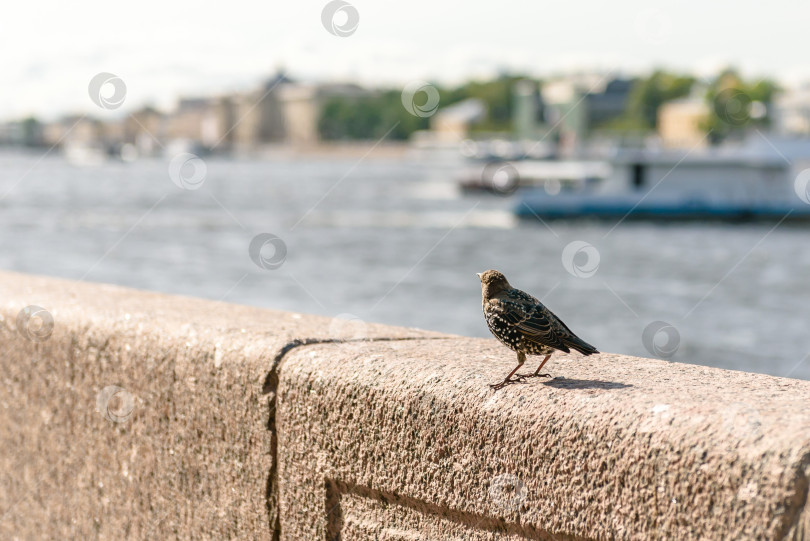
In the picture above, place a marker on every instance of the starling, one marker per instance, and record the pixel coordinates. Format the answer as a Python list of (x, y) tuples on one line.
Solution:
[(524, 325)]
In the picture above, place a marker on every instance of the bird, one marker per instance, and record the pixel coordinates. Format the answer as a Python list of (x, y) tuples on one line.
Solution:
[(523, 324)]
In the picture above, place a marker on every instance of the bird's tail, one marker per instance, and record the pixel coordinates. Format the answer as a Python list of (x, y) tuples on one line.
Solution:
[(581, 345)]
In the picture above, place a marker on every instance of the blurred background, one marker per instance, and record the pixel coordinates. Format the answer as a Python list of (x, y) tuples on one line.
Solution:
[(643, 168)]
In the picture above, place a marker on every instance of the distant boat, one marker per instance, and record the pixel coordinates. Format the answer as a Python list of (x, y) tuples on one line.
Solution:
[(495, 150), (177, 146), (553, 176), (84, 154), (710, 185)]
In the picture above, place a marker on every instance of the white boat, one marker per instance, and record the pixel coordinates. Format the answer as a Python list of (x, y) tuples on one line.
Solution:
[(727, 183), (553, 176)]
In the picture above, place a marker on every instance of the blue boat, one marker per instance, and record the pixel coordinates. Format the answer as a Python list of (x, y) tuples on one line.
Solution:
[(711, 185), (537, 204)]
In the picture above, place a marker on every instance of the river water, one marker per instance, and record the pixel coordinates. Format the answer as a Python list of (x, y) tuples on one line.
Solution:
[(391, 240)]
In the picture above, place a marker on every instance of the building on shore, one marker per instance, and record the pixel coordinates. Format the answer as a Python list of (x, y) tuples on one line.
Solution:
[(681, 123), (145, 129), (303, 104), (257, 117), (791, 111), (239, 121), (279, 112), (575, 106), (74, 130), (453, 123), (28, 132), (528, 111), (195, 119)]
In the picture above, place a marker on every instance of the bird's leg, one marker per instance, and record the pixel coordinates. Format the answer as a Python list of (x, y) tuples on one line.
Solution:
[(537, 372), (506, 380), (521, 360)]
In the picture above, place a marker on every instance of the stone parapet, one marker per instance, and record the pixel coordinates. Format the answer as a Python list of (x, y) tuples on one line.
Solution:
[(149, 416)]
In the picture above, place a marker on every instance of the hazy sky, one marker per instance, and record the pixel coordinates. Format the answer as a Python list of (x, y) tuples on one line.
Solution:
[(161, 49)]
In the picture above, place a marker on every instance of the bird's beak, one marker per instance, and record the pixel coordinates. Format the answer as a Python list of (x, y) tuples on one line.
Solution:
[(478, 274)]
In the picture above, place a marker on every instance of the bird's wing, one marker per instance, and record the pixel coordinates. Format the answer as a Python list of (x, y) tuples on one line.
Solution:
[(535, 321), (539, 324)]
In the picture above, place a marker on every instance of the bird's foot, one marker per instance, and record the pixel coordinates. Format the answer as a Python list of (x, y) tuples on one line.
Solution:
[(504, 383), (533, 375)]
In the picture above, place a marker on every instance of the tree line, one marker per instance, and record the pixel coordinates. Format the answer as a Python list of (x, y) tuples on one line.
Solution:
[(733, 103)]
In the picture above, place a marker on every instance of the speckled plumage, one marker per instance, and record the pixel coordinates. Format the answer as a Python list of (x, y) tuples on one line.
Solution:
[(524, 324)]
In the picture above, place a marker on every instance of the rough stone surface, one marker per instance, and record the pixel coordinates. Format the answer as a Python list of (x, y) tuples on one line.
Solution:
[(406, 441), (181, 451), (231, 422)]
